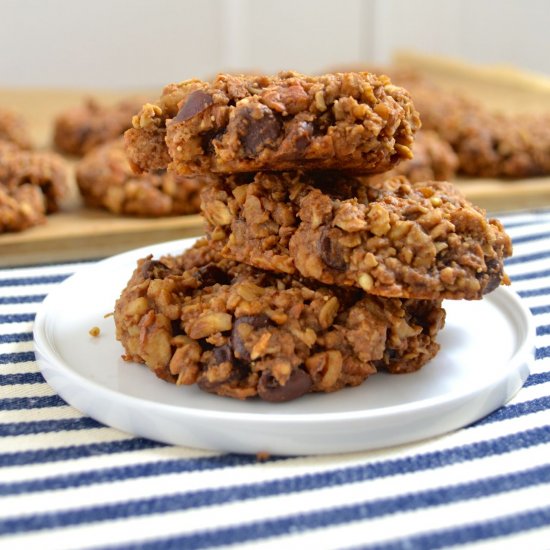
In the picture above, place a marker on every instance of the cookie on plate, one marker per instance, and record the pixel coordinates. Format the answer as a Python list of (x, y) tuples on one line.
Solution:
[(244, 123), (241, 332), (393, 239)]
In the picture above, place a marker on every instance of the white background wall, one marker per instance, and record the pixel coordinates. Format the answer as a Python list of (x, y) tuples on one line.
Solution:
[(148, 43)]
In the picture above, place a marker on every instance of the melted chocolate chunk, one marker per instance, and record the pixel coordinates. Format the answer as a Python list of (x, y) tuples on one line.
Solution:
[(331, 252), (154, 269), (259, 132), (297, 385), (493, 276), (196, 103), (256, 321), (223, 354), (211, 274)]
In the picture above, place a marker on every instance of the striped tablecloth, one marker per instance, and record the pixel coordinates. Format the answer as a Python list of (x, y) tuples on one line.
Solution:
[(67, 481)]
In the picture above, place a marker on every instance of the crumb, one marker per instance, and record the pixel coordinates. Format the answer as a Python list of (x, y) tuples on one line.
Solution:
[(94, 331), (262, 456)]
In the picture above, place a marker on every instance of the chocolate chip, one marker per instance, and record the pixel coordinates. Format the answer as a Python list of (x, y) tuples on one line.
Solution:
[(493, 276), (211, 274), (331, 252), (297, 385), (259, 132), (153, 269), (196, 103), (256, 321), (303, 138), (223, 354)]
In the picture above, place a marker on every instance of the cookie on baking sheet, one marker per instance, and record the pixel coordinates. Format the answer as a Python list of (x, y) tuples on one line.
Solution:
[(239, 332), (106, 180), (393, 239), (243, 123), (79, 129), (32, 185), (488, 144), (14, 128)]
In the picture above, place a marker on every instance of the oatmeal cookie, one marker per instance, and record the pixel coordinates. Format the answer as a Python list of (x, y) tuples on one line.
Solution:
[(106, 180), (32, 184), (244, 123), (14, 129), (242, 332), (394, 239), (488, 144), (79, 129)]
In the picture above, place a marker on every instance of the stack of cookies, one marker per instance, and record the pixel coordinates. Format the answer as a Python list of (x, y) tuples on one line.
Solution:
[(314, 275)]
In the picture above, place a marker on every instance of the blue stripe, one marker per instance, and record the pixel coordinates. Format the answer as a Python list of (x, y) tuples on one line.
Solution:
[(542, 353), (530, 275), (532, 237), (534, 292), (73, 452), (539, 378), (309, 482), (22, 403), (522, 258), (539, 310), (14, 338), (7, 300), (27, 281), (46, 426), (123, 473), (543, 329), (302, 522), (21, 378), (17, 357), (503, 526), (513, 411), (17, 318)]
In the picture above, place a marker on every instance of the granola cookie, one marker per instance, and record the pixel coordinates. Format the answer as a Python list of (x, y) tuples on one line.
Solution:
[(488, 144), (393, 239), (14, 129), (79, 129), (242, 332), (244, 123), (106, 180), (32, 184)]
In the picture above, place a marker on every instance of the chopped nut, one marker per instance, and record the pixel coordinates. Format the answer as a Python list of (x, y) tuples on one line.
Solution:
[(217, 213), (328, 312), (208, 324), (366, 282)]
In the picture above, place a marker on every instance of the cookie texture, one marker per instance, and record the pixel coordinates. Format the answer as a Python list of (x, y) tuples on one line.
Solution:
[(14, 128), (32, 185), (241, 332), (79, 129), (433, 160), (488, 143), (243, 123), (394, 239), (106, 180)]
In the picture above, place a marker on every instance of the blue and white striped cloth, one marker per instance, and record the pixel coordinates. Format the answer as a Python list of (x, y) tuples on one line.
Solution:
[(67, 481)]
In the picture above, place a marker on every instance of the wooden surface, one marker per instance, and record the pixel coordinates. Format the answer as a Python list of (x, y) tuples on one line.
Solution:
[(81, 233)]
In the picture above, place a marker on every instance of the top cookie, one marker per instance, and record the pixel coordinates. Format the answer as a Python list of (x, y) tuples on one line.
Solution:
[(359, 122)]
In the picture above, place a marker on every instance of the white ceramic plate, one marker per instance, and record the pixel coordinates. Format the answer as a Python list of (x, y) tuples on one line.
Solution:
[(486, 349)]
